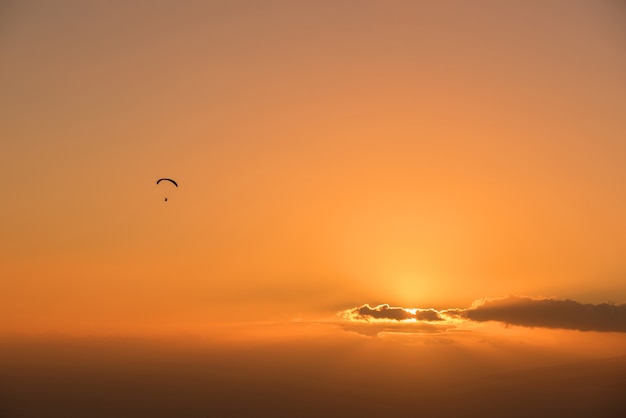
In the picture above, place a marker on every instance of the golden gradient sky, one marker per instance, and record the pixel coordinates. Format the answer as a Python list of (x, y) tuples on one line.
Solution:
[(329, 154)]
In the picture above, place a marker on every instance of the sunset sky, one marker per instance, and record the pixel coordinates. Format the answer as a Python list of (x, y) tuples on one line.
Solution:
[(328, 154), (346, 169)]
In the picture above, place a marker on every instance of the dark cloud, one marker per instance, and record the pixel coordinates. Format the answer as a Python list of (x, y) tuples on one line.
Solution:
[(366, 312), (427, 315), (550, 313), (383, 312)]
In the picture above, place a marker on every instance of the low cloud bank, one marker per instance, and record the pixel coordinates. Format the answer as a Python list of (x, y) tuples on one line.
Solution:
[(510, 310)]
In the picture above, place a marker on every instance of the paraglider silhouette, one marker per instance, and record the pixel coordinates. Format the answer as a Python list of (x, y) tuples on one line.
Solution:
[(166, 179)]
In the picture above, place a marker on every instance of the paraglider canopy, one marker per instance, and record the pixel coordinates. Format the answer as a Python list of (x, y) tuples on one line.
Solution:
[(160, 180)]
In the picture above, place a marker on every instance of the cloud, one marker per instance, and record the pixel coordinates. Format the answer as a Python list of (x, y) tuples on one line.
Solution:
[(427, 315), (386, 312), (550, 313), (510, 310), (383, 312)]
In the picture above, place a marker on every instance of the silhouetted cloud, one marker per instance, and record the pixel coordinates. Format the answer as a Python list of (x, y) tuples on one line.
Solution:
[(383, 311), (550, 313), (511, 310), (366, 312), (427, 315)]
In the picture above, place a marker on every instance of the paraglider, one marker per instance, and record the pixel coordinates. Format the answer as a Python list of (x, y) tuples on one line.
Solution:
[(166, 179)]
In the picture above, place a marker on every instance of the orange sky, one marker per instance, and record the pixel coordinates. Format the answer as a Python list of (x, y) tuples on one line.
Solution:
[(329, 154)]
